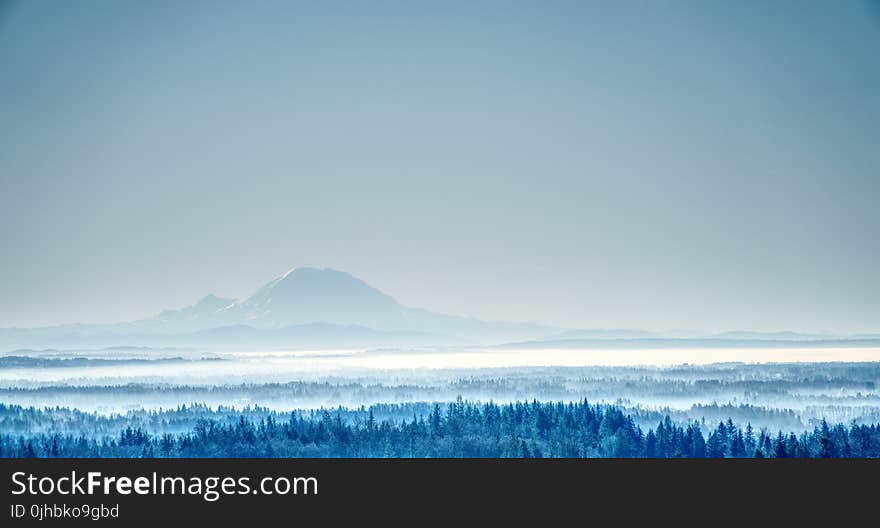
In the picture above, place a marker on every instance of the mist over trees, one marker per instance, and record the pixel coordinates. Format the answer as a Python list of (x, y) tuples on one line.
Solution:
[(457, 429), (791, 397), (126, 402)]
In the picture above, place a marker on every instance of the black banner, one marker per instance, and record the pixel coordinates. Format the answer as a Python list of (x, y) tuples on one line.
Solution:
[(407, 491)]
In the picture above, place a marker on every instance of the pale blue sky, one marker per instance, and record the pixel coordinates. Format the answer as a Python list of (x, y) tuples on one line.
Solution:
[(709, 165)]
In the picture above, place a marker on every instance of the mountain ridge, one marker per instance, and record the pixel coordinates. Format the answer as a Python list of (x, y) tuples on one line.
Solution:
[(302, 296), (307, 305)]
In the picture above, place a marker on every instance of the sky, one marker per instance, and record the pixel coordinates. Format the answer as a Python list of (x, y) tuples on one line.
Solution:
[(663, 165)]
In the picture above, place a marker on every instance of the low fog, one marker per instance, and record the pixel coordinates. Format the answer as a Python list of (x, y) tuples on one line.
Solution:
[(688, 385)]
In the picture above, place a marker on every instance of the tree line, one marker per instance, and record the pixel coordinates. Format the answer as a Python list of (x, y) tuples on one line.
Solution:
[(455, 429)]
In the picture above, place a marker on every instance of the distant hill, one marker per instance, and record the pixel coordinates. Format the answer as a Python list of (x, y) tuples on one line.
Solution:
[(207, 311), (312, 335), (671, 343), (797, 336), (607, 333), (31, 362)]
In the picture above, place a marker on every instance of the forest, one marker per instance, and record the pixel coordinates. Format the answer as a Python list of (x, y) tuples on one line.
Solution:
[(791, 396), (458, 429), (138, 403)]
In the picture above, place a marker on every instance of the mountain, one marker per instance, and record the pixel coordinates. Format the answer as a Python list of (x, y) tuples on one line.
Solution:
[(207, 311), (310, 295), (321, 308), (294, 302), (306, 296)]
